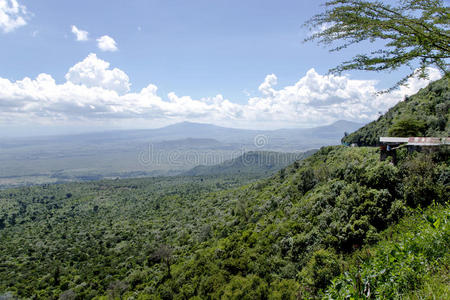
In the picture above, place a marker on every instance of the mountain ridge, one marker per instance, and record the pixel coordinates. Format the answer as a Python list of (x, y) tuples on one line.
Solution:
[(179, 126)]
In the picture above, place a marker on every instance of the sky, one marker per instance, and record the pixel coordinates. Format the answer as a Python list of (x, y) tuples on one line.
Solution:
[(77, 66)]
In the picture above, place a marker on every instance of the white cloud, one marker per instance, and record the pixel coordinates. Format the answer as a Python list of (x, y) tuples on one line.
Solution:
[(80, 35), (12, 15), (94, 92), (317, 99), (95, 72), (269, 82), (107, 43)]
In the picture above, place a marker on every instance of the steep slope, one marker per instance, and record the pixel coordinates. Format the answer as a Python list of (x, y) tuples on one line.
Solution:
[(286, 234), (413, 255), (429, 108)]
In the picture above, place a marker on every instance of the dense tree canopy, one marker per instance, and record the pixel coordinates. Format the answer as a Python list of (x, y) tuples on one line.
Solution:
[(281, 237), (416, 33), (407, 126)]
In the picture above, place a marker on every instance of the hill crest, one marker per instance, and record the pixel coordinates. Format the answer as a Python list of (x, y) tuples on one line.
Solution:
[(429, 107)]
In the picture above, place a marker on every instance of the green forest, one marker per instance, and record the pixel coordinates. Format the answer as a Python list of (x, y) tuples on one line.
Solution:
[(339, 224)]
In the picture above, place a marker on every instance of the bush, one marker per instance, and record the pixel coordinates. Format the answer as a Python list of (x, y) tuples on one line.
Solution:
[(250, 287), (320, 270), (421, 185), (407, 126), (401, 263)]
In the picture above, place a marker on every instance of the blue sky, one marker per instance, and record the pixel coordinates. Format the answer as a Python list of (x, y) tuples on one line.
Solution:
[(192, 51), (191, 47)]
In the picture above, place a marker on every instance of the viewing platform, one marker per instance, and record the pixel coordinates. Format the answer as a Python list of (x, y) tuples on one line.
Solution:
[(415, 141), (390, 144)]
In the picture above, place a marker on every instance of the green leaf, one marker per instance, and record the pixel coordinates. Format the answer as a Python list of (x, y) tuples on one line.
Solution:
[(437, 223)]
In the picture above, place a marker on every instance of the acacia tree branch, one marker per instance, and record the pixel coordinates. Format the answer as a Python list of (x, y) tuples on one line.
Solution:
[(425, 38), (403, 20)]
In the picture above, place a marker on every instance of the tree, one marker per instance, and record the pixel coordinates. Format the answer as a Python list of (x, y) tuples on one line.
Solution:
[(416, 33), (164, 254), (56, 275), (320, 270), (67, 295), (116, 289), (406, 127)]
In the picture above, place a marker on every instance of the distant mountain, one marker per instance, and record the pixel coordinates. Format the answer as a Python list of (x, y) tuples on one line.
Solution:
[(192, 143), (429, 108), (253, 162), (198, 130), (170, 150), (280, 140)]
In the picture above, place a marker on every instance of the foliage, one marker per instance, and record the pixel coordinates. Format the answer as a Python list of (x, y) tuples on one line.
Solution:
[(413, 30), (430, 106), (424, 182), (412, 260), (185, 237), (101, 238), (320, 270), (406, 127)]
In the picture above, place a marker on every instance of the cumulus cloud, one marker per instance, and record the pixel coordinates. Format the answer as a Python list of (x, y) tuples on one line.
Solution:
[(94, 92), (12, 15), (317, 99), (107, 43), (80, 35), (269, 82), (95, 72)]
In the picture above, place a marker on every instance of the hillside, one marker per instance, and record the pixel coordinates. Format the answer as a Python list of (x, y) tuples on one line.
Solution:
[(411, 261), (165, 238), (262, 163), (429, 108)]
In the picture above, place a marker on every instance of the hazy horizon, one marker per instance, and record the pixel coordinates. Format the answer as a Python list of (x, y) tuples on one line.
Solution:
[(64, 68), (37, 132)]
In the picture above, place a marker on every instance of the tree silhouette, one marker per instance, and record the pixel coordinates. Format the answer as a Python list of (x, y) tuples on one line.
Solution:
[(416, 34)]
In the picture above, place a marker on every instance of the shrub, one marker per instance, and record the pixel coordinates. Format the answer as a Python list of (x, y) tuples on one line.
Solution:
[(250, 287), (401, 263), (321, 268), (407, 126)]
